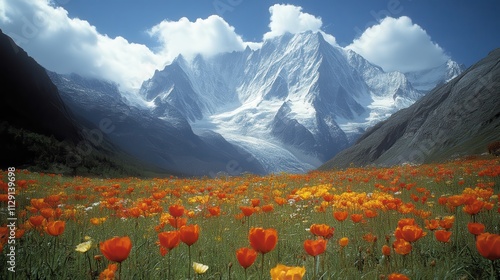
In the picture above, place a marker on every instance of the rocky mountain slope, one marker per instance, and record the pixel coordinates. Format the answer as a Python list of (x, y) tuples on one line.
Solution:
[(458, 118), (293, 104)]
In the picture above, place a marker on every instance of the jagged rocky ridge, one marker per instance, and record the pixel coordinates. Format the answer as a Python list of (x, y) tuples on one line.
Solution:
[(458, 118), (293, 104)]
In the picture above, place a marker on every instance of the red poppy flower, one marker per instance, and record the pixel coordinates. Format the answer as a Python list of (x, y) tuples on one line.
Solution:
[(412, 233), (386, 250), (356, 218), (340, 215), (315, 247), (442, 235), (176, 210), (116, 249), (263, 240), (488, 245), (247, 210), (55, 228), (47, 213), (214, 211), (246, 256), (169, 239), (267, 208), (255, 202), (475, 228), (190, 234), (36, 221), (402, 247), (322, 230)]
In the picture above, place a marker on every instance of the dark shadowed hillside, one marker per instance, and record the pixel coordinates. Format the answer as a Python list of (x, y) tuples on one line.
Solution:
[(456, 119), (38, 131)]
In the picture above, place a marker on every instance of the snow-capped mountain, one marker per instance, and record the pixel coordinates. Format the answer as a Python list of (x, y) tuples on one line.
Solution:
[(293, 103)]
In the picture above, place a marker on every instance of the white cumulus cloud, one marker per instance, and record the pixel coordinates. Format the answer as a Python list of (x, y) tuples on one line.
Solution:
[(208, 37), (67, 45), (71, 45), (289, 18), (399, 45)]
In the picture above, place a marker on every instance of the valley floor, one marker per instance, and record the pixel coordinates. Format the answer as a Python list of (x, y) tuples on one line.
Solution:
[(425, 222)]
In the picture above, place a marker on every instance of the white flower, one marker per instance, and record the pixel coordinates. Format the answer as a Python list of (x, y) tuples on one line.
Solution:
[(84, 247), (200, 268)]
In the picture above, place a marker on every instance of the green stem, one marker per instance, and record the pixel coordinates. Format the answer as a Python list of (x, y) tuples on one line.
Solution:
[(493, 271), (90, 264), (169, 265), (316, 267), (262, 267), (189, 264), (119, 271)]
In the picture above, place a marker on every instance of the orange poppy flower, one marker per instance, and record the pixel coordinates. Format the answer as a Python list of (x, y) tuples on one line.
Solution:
[(47, 213), (55, 228), (315, 247), (474, 207), (263, 240), (39, 203), (328, 197), (442, 235), (370, 237), (356, 218), (397, 276), (370, 213), (97, 221), (442, 200), (255, 202), (406, 222), (402, 247), (176, 210), (447, 222), (134, 212), (53, 200), (190, 234), (169, 239), (431, 224), (344, 241), (116, 249), (412, 233), (214, 211), (177, 222), (247, 210), (159, 195), (322, 230), (475, 228), (109, 273), (267, 208), (246, 256), (386, 250), (340, 215), (488, 245), (36, 221)]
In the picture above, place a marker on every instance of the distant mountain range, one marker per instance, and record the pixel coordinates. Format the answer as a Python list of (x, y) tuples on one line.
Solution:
[(455, 119), (292, 104), (289, 106)]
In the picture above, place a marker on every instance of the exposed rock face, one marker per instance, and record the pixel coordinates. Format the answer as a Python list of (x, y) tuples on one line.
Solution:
[(458, 118)]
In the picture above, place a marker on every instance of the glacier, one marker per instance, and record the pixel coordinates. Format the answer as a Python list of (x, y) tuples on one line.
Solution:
[(292, 104)]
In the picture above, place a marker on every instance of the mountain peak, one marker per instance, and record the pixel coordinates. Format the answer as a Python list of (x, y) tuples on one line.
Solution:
[(295, 84)]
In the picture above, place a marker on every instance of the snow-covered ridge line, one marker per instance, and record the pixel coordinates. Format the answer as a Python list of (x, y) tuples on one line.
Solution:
[(299, 92)]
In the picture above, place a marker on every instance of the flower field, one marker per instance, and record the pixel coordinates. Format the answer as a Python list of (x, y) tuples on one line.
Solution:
[(433, 221)]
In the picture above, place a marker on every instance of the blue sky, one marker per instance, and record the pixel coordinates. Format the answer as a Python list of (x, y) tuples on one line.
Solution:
[(465, 29), (126, 40)]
